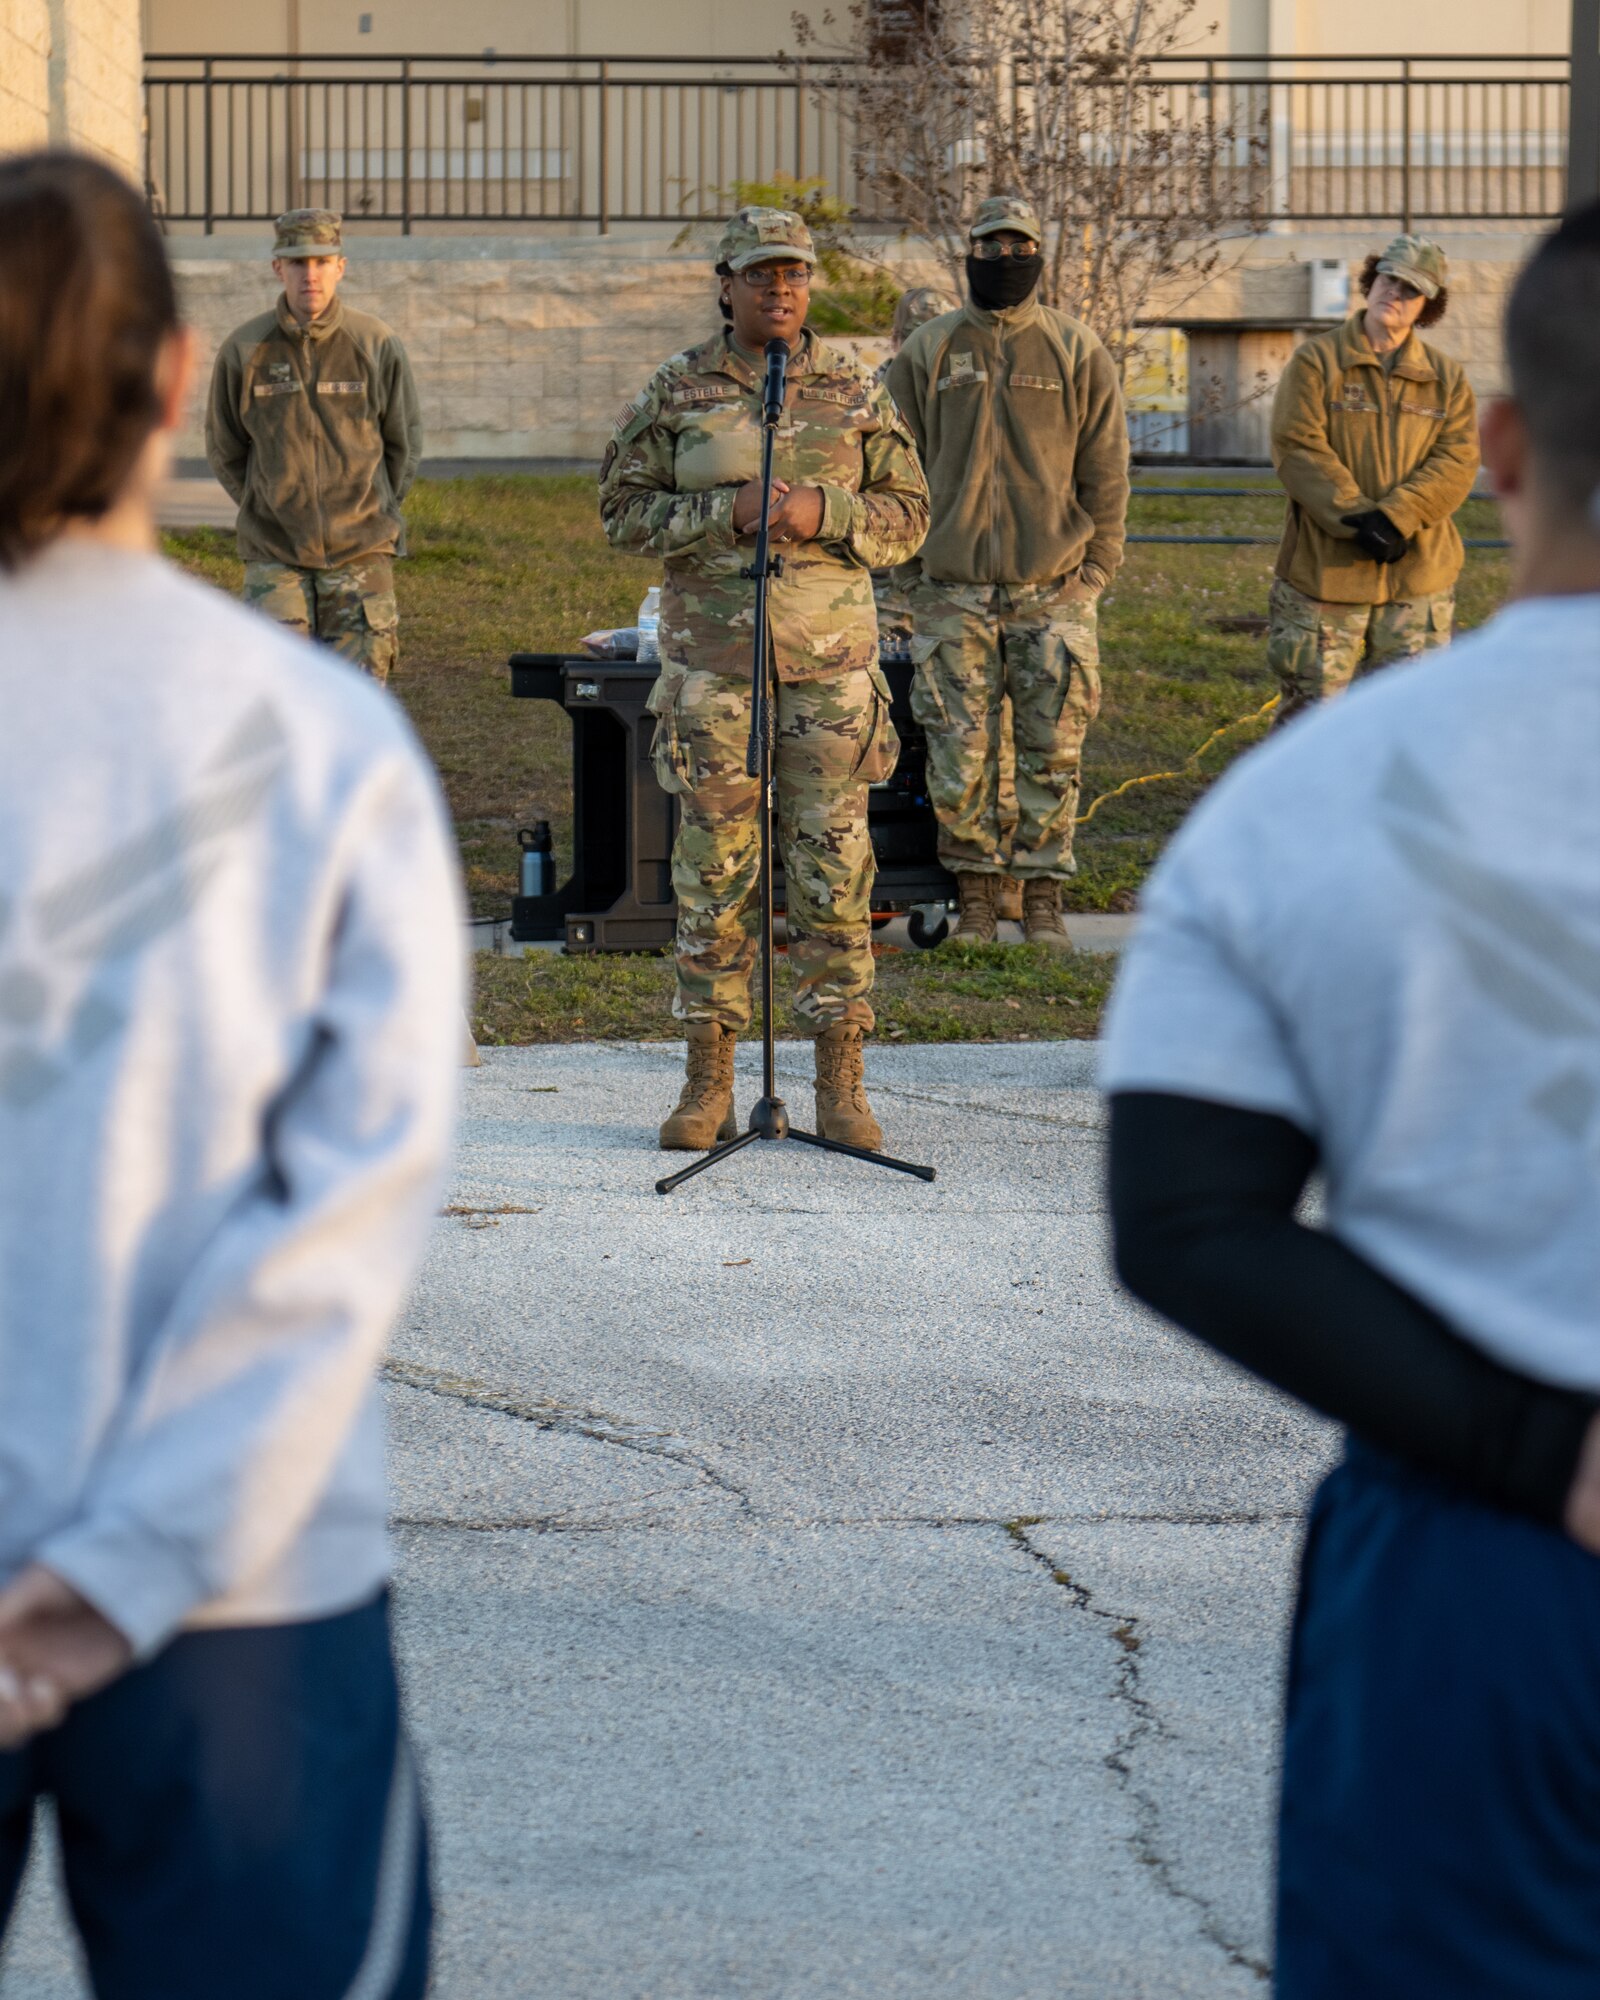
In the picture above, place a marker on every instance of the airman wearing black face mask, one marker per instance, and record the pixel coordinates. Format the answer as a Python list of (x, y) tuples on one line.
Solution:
[(1017, 413)]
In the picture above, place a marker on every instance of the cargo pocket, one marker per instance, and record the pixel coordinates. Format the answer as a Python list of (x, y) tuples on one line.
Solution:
[(880, 741), (927, 702), (668, 751), (381, 615), (1078, 689), (381, 611)]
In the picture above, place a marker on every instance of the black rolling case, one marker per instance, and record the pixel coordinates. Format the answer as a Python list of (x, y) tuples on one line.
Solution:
[(619, 895)]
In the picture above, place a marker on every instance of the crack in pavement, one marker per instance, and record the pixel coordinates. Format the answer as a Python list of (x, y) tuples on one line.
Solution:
[(1145, 1721), (568, 1522), (546, 1414)]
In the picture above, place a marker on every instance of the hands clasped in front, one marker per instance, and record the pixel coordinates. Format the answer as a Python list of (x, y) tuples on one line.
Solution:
[(796, 511)]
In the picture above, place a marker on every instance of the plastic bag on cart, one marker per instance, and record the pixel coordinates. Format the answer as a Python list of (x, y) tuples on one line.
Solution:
[(620, 643)]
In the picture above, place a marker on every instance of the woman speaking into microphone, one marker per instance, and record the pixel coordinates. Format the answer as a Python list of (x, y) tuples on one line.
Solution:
[(681, 480)]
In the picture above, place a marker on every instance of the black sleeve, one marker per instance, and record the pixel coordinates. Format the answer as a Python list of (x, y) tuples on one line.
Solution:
[(1203, 1201)]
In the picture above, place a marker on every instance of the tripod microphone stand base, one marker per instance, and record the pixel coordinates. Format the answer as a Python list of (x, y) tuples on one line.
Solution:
[(770, 1120)]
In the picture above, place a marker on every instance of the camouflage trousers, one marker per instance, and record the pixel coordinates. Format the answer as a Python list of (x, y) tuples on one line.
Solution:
[(1316, 649), (980, 648), (832, 738), (351, 609)]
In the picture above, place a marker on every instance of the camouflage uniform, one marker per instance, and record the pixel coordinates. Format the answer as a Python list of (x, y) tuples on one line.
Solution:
[(832, 738), (1353, 433), (1317, 649), (679, 455), (978, 646), (1018, 417), (351, 608), (316, 432)]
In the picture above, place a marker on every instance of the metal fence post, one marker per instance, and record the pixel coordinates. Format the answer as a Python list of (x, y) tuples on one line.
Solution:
[(1583, 105), (605, 152), (205, 127), (405, 147), (1405, 145)]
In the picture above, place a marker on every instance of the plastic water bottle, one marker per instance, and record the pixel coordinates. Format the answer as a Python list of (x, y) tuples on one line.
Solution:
[(650, 626), (538, 859)]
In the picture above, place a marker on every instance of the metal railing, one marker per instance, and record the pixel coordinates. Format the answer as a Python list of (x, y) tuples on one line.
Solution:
[(428, 141)]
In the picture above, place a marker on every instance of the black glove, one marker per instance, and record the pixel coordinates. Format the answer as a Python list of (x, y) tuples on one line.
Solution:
[(1377, 536)]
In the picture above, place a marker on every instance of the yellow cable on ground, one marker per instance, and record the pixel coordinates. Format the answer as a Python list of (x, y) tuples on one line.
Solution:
[(1155, 777)]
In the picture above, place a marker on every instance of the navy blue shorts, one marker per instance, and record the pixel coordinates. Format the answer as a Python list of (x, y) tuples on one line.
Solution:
[(239, 1817), (1439, 1831)]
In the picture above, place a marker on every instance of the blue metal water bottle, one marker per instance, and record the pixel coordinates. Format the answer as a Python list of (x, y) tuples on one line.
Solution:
[(538, 859)]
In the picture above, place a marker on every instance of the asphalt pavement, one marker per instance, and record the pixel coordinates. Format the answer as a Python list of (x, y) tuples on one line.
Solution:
[(820, 1583)]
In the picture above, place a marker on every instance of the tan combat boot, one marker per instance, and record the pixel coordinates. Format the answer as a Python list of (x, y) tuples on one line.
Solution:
[(975, 925), (1041, 915), (1008, 900), (843, 1112), (704, 1117)]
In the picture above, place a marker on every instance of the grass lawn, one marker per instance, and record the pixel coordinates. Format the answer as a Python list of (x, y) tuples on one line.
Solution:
[(959, 993), (503, 565)]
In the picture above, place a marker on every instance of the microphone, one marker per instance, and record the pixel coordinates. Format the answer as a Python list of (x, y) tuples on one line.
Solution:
[(777, 352)]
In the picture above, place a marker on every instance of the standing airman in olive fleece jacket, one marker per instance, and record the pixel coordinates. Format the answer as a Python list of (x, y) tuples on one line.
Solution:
[(314, 428), (1017, 414)]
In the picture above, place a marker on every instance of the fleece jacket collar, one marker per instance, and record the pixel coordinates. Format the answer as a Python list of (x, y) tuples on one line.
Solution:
[(327, 321), (1356, 351)]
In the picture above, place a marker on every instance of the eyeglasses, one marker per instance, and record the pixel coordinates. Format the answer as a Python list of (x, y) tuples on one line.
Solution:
[(1401, 285), (761, 277), (989, 251)]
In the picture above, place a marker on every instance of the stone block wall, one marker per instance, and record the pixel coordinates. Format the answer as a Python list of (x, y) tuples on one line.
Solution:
[(528, 349), (69, 76), (520, 350)]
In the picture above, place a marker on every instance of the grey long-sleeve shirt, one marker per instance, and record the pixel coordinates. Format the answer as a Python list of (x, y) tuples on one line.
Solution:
[(230, 992)]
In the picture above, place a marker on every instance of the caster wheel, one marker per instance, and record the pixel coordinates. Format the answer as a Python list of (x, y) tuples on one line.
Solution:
[(925, 935)]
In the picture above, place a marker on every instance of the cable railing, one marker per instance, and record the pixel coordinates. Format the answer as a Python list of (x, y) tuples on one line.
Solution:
[(427, 142)]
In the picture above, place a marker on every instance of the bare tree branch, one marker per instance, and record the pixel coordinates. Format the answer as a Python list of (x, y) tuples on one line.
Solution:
[(1139, 182)]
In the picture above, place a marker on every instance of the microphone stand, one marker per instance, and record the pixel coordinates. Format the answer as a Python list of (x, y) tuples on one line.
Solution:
[(770, 1118)]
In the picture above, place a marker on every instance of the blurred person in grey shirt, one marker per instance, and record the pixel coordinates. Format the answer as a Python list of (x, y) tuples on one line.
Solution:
[(230, 1005)]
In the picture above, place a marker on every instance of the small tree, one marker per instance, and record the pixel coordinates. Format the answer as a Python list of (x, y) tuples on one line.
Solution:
[(1138, 181)]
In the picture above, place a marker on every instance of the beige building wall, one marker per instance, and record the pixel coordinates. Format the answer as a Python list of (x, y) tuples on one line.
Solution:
[(725, 28), (69, 76), (733, 28), (24, 73)]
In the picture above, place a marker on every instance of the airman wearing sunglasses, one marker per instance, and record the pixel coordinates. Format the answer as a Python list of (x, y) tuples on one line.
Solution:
[(1017, 412), (1375, 437)]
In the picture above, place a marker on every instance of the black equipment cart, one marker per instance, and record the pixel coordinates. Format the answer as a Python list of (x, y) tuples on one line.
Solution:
[(619, 894)]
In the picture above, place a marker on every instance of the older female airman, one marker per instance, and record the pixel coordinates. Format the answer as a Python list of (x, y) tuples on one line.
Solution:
[(1375, 437)]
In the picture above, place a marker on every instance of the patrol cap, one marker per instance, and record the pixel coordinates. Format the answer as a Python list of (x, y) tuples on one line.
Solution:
[(1419, 261), (309, 232), (765, 235), (916, 307), (1005, 211)]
